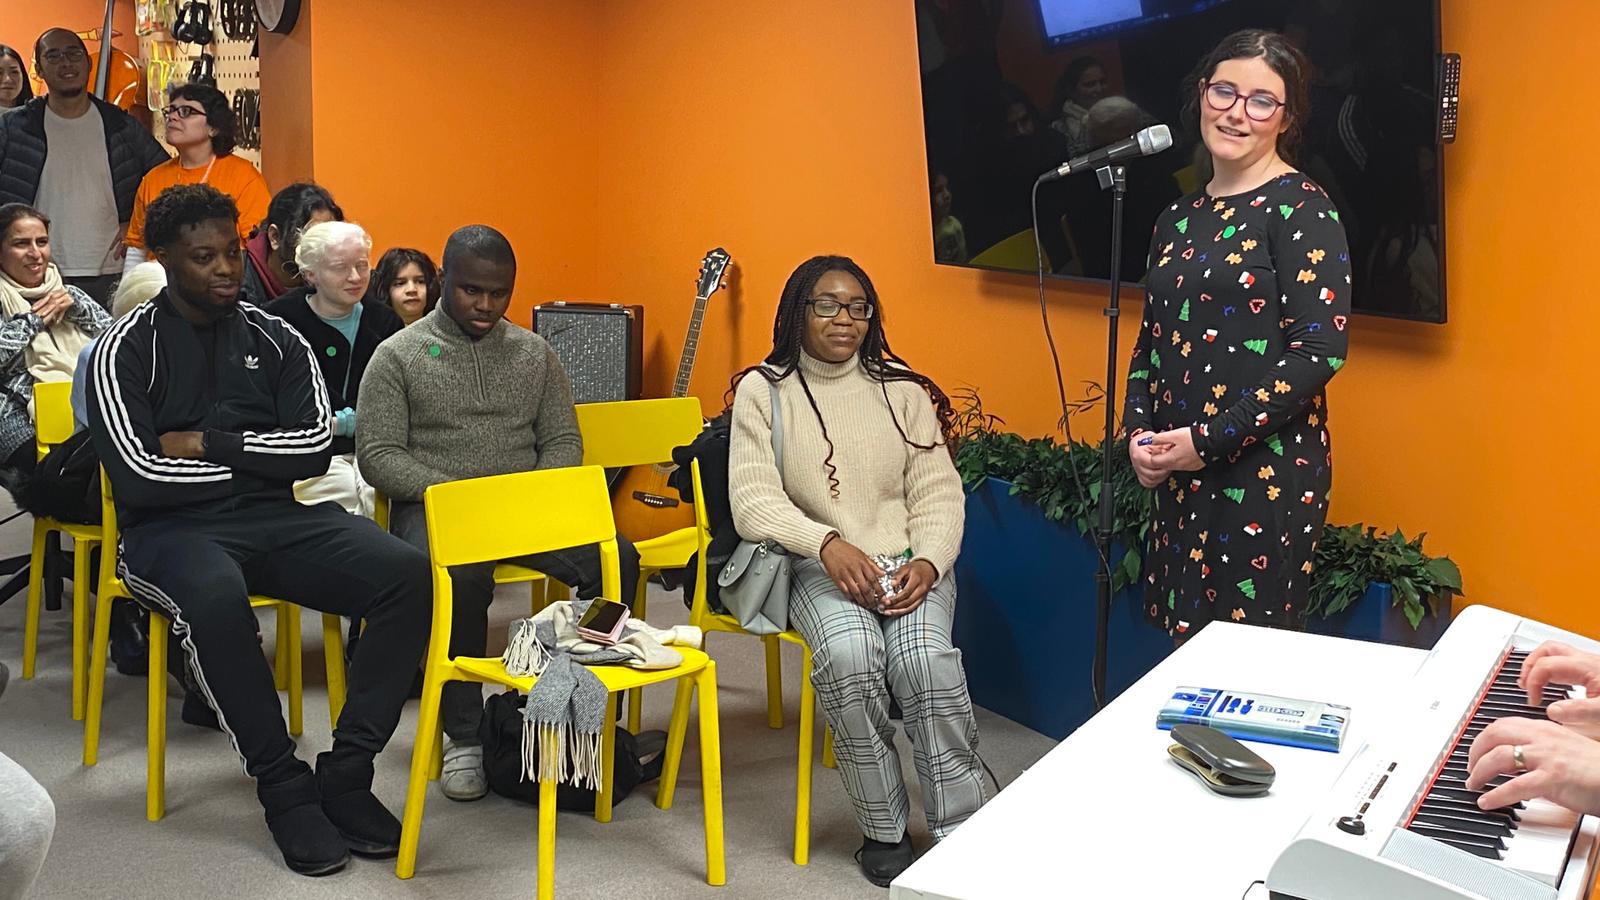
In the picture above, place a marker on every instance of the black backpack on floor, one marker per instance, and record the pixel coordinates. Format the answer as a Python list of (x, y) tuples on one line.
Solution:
[(501, 733)]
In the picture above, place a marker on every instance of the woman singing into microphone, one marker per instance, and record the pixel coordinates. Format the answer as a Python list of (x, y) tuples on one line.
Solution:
[(1244, 324)]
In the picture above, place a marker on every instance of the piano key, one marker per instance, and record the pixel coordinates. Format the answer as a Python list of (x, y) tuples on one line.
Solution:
[(1473, 826), (1507, 815), (1456, 793), (1542, 845), (1460, 839)]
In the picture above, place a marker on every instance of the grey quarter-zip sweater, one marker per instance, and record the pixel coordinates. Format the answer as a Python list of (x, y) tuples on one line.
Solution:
[(437, 405)]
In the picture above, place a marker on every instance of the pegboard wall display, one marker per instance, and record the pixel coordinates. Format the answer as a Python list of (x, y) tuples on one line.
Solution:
[(205, 40)]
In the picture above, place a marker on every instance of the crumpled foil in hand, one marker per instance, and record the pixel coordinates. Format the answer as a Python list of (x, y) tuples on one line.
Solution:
[(891, 565)]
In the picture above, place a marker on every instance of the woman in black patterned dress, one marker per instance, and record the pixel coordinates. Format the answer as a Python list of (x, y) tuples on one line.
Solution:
[(1244, 324)]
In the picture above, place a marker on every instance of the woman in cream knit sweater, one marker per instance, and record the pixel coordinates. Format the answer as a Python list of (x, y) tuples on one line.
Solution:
[(865, 472)]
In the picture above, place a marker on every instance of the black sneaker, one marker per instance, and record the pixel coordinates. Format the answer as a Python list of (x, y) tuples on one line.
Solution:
[(883, 863)]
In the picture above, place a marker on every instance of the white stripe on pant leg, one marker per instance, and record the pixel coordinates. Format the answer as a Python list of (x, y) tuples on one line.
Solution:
[(154, 595)]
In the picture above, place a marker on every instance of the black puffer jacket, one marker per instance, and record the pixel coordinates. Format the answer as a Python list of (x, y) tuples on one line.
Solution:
[(130, 148)]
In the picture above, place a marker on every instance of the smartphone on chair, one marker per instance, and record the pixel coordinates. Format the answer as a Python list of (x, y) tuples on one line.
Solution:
[(602, 622)]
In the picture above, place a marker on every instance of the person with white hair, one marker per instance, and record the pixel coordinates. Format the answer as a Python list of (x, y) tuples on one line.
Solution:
[(332, 312), (143, 282)]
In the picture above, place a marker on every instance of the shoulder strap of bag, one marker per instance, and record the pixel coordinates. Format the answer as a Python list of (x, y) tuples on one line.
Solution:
[(777, 428)]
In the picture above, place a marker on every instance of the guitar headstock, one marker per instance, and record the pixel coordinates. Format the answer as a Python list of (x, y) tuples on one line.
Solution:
[(712, 270)]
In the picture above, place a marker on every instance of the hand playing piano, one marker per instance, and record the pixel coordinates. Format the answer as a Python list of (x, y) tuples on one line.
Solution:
[(1561, 765), (1556, 662)]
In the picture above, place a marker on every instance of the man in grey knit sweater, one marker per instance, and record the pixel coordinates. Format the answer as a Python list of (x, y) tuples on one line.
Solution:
[(463, 394)]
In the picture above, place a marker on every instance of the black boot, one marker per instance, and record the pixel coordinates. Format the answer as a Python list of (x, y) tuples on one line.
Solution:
[(310, 844), (130, 649), (344, 778), (883, 863)]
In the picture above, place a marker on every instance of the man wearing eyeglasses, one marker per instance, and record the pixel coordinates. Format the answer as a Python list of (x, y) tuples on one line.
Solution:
[(79, 160)]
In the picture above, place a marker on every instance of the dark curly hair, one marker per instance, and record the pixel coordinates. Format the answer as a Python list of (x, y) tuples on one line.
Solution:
[(388, 269), (26, 93), (219, 114), (185, 206), (880, 362), (1281, 56)]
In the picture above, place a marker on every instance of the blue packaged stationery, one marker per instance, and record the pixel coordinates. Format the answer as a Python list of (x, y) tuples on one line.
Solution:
[(1259, 717)]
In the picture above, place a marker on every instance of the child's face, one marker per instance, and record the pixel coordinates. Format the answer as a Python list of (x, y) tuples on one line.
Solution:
[(941, 197)]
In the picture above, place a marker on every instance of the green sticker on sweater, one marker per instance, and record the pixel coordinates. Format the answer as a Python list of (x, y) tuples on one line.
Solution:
[(1286, 211), (1276, 444), (1229, 232), (433, 350), (1259, 345), (1183, 314), (1182, 225), (1335, 363), (1234, 494), (1155, 359), (1172, 599), (333, 351), (1333, 214), (1247, 587)]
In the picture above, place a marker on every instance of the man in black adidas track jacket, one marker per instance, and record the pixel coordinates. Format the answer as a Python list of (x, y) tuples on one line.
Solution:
[(204, 411)]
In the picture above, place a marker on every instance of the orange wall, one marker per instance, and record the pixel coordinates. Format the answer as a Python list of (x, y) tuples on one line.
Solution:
[(636, 134), (789, 128), (494, 124), (22, 21)]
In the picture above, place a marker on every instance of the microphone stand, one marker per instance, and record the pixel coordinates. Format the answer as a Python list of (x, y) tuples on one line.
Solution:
[(1114, 179)]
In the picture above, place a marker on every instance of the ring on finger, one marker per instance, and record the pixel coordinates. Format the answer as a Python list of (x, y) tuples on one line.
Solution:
[(1518, 759)]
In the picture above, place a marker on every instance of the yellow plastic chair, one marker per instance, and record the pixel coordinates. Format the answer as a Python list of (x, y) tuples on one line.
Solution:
[(286, 665), (541, 588), (626, 433), (52, 404), (707, 621), (505, 516), (1014, 252)]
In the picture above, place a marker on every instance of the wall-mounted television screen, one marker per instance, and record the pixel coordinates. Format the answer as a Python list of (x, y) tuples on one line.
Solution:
[(1013, 88)]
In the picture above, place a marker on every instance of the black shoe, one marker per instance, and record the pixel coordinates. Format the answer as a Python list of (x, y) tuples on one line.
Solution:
[(883, 863), (130, 649), (310, 844), (367, 827)]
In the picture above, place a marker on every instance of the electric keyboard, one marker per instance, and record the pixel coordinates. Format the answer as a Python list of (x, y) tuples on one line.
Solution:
[(1400, 823)]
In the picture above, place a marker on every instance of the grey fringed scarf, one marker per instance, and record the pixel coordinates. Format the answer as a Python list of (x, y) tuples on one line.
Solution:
[(567, 706)]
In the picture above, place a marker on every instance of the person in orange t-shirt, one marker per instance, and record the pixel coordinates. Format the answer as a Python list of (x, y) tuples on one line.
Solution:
[(200, 125)]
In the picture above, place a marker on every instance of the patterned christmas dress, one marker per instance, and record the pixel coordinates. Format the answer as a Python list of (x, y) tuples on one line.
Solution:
[(1244, 324)]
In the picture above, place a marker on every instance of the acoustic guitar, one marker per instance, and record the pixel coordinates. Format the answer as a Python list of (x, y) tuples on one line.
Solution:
[(644, 504)]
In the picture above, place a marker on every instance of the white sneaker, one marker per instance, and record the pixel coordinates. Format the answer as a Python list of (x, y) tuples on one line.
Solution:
[(462, 776)]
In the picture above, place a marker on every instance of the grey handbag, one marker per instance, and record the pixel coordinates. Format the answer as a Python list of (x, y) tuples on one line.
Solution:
[(754, 582)]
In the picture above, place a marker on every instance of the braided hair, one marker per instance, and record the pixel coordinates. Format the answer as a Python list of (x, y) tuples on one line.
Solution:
[(881, 363)]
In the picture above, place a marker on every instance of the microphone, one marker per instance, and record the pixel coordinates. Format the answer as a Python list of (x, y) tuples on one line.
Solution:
[(1147, 142)]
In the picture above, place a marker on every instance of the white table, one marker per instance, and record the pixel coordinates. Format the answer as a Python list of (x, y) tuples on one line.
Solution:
[(1107, 814)]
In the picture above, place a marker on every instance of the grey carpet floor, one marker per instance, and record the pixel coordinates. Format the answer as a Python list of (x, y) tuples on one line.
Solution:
[(213, 842)]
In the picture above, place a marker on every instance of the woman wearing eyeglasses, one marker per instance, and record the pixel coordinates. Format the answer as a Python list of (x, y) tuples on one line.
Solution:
[(200, 126), (1248, 298), (866, 472)]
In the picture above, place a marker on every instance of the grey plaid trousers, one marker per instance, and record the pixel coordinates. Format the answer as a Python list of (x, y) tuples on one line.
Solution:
[(858, 658)]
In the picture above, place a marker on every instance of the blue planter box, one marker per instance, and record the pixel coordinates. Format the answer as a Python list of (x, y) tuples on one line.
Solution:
[(1375, 617), (1025, 616)]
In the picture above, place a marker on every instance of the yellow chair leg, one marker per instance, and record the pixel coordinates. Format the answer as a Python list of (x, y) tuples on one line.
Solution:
[(636, 696), (547, 829), (436, 761), (30, 628), (802, 790), (280, 652), (290, 617), (675, 732), (828, 762), (333, 654), (156, 738), (417, 786), (80, 623), (774, 681), (608, 750), (99, 650), (711, 774)]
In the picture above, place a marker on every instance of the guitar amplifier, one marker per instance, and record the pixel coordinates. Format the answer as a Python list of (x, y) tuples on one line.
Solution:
[(601, 345)]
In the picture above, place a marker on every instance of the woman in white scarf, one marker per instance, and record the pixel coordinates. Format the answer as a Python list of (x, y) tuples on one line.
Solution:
[(43, 325)]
